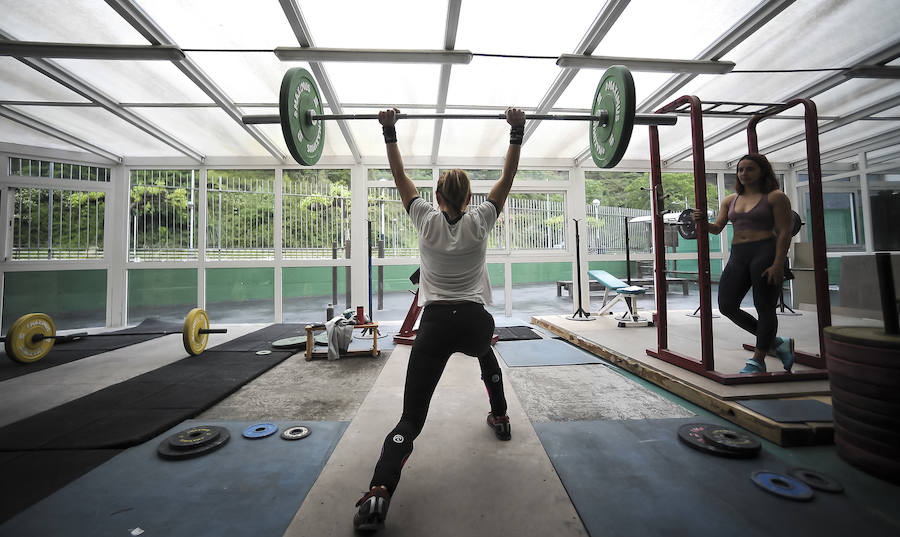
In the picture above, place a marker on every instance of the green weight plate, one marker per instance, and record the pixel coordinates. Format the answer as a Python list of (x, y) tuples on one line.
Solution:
[(615, 95), (298, 97)]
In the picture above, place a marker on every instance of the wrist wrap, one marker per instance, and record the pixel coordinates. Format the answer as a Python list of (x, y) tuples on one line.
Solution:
[(516, 134), (390, 134)]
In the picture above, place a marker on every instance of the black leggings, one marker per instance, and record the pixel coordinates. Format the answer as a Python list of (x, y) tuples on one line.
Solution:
[(443, 330), (744, 270)]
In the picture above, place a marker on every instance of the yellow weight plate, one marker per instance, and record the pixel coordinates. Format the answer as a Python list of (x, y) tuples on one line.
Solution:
[(19, 342), (194, 341)]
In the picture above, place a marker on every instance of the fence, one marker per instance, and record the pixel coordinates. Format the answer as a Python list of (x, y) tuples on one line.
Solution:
[(57, 224), (605, 233)]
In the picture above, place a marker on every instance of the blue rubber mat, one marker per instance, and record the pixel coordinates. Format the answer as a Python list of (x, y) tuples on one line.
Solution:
[(247, 487), (543, 352), (635, 477)]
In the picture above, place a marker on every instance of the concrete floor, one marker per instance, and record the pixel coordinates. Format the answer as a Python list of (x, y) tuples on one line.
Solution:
[(455, 496)]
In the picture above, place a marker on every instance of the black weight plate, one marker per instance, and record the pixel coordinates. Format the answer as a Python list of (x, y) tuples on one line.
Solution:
[(692, 435), (731, 440), (816, 480), (194, 437), (796, 223), (166, 451), (781, 485), (296, 433), (687, 228), (260, 430)]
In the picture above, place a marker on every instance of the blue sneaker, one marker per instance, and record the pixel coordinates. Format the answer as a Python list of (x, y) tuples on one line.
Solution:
[(784, 349), (752, 366)]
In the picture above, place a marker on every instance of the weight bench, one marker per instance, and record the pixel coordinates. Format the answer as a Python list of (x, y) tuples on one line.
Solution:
[(625, 293)]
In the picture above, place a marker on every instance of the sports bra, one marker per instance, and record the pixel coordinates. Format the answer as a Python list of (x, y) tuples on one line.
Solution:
[(759, 218)]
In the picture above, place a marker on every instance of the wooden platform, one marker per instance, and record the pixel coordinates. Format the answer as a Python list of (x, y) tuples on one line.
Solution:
[(626, 348)]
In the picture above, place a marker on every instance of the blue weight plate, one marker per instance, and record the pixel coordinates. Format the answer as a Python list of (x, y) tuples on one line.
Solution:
[(782, 485), (260, 430)]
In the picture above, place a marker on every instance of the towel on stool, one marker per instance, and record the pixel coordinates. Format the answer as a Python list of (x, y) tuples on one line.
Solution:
[(340, 334)]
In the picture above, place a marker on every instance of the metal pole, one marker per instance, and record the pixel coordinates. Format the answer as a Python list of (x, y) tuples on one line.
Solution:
[(627, 254)]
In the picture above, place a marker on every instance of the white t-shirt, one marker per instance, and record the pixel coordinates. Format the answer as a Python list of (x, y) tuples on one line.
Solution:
[(453, 255)]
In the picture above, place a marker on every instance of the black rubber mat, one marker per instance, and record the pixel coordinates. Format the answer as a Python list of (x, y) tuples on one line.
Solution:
[(64, 353), (29, 476), (515, 333), (790, 410), (133, 411)]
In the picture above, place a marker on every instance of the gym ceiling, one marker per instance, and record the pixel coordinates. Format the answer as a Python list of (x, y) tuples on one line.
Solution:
[(218, 64)]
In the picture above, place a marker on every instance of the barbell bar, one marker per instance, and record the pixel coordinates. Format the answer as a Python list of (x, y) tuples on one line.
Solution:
[(612, 116), (687, 227), (32, 335)]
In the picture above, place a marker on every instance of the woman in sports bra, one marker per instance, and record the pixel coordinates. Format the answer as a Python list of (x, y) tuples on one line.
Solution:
[(761, 216)]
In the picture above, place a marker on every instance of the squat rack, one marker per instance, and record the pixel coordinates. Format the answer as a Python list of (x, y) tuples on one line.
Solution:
[(705, 366)]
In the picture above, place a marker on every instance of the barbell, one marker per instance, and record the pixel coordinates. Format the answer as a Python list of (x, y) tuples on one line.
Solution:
[(612, 116), (32, 336), (687, 227)]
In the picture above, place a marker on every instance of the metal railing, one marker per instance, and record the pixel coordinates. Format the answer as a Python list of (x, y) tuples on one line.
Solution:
[(605, 233), (57, 224), (164, 216)]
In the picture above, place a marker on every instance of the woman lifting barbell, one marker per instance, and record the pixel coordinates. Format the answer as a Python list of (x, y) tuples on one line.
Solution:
[(453, 288), (761, 216)]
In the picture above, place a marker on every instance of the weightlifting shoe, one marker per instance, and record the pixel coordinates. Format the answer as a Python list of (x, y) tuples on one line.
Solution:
[(372, 509), (752, 366), (784, 349), (500, 425)]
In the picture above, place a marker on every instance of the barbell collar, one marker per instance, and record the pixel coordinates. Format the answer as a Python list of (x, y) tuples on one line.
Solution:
[(639, 119)]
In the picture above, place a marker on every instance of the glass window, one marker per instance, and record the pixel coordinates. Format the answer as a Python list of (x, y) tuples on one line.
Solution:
[(884, 203), (536, 220), (72, 298), (316, 214), (240, 213), (57, 170), (392, 229), (611, 198), (164, 216), (842, 212), (50, 223)]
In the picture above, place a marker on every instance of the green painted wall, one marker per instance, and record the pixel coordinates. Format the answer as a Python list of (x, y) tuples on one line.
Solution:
[(540, 272), (72, 298), (162, 287), (311, 281)]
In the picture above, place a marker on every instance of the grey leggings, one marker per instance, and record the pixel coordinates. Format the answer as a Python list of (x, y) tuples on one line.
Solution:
[(744, 271), (443, 330)]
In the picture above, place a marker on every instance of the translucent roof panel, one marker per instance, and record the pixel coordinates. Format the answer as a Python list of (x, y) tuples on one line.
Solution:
[(102, 129), (388, 83), (524, 82), (20, 82), (226, 24), (557, 139), (474, 138), (133, 81), (580, 93), (67, 21), (245, 78), (210, 130), (399, 24), (656, 28), (526, 27), (13, 132), (413, 136)]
